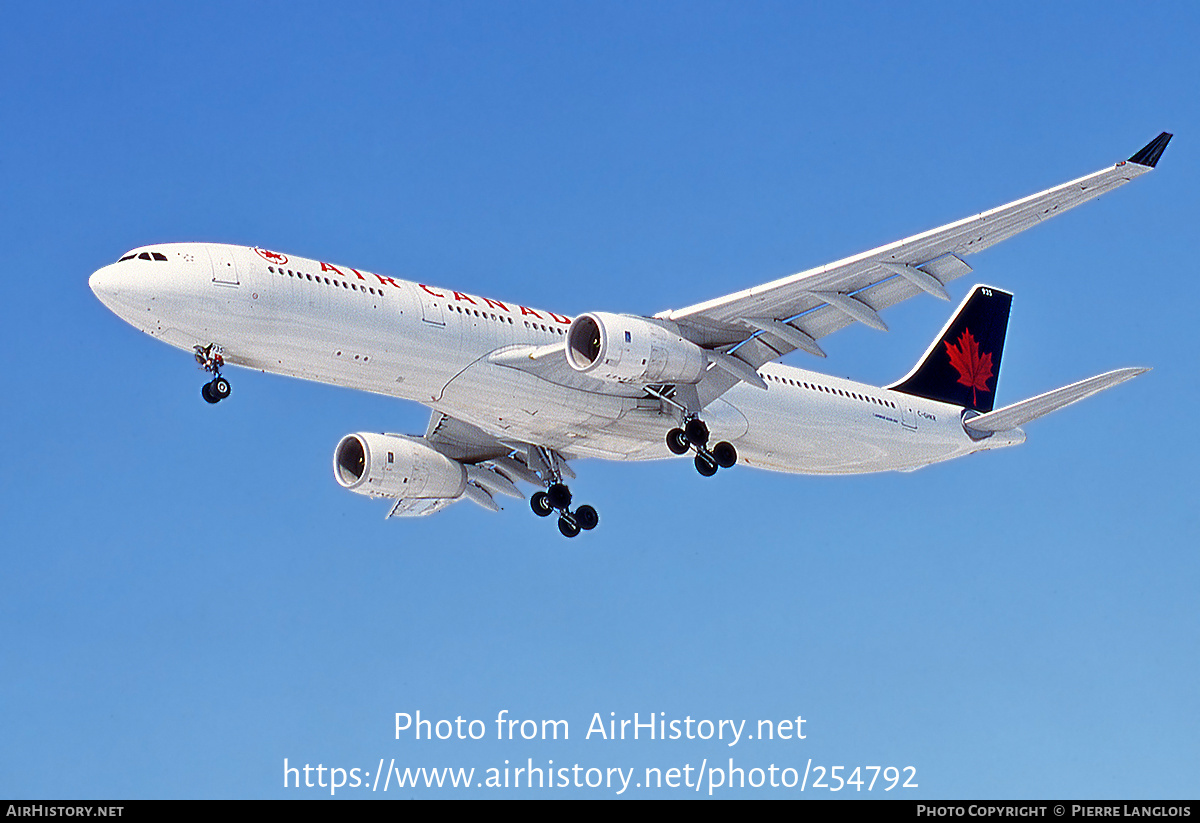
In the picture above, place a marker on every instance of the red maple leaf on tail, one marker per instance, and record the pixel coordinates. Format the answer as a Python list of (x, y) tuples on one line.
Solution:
[(974, 369)]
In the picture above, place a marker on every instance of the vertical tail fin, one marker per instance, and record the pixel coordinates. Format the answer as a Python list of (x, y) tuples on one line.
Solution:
[(962, 366)]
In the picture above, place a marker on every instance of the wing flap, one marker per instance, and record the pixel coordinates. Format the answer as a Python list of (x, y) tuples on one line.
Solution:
[(418, 506)]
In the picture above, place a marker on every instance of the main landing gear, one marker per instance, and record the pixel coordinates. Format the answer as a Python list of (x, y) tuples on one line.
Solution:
[(558, 497), (694, 434), (549, 467), (210, 359)]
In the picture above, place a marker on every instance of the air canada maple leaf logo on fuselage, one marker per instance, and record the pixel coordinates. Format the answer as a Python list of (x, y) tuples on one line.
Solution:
[(271, 256), (974, 369)]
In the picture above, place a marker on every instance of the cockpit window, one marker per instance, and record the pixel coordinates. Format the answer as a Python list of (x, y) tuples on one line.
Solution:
[(127, 257), (159, 256), (146, 255)]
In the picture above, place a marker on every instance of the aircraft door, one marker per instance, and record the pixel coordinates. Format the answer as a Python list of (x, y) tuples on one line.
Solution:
[(224, 267), (908, 417), (433, 306)]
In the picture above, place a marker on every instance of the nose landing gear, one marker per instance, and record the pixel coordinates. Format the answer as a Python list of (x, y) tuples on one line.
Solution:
[(694, 434), (215, 390), (210, 359)]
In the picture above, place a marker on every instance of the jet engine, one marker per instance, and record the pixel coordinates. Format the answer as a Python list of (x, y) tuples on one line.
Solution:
[(391, 465), (625, 349)]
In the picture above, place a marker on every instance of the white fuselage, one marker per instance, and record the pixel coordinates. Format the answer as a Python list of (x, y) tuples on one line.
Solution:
[(338, 325)]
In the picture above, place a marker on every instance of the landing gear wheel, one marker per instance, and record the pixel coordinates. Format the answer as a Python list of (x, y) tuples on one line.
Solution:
[(559, 496), (697, 432), (705, 464), (219, 388), (567, 525), (725, 454), (677, 441), (206, 393), (540, 505), (587, 518)]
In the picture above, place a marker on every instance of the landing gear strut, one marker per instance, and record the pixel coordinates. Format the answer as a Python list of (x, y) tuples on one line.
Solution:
[(210, 359), (557, 497), (694, 434)]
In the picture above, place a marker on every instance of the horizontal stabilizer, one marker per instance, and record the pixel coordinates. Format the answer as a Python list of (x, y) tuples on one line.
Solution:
[(1017, 414)]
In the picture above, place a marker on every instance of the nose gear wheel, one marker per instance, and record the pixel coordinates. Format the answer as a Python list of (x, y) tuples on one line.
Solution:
[(210, 359)]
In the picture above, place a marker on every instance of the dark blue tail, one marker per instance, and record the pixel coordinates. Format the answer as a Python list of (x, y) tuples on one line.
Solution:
[(962, 367)]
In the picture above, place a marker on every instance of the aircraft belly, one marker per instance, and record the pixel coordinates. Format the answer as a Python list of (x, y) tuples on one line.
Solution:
[(283, 327), (386, 347), (819, 435), (530, 409)]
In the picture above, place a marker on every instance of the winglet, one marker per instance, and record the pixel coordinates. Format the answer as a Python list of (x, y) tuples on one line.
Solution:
[(1153, 150)]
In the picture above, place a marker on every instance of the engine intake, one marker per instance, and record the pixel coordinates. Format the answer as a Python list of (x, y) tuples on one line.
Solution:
[(392, 465), (622, 348)]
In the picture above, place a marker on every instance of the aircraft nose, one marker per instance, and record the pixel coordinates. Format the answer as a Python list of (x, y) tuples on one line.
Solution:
[(105, 284)]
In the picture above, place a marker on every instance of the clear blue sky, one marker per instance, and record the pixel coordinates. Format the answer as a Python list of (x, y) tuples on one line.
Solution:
[(189, 597)]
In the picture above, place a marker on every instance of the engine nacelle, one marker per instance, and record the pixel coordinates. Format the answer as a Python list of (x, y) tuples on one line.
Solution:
[(391, 465), (627, 349)]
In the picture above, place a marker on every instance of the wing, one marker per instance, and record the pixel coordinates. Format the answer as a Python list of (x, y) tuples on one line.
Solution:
[(490, 466), (469, 444), (765, 322), (461, 441)]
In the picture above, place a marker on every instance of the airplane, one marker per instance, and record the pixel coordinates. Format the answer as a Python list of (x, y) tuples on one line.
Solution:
[(518, 393)]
